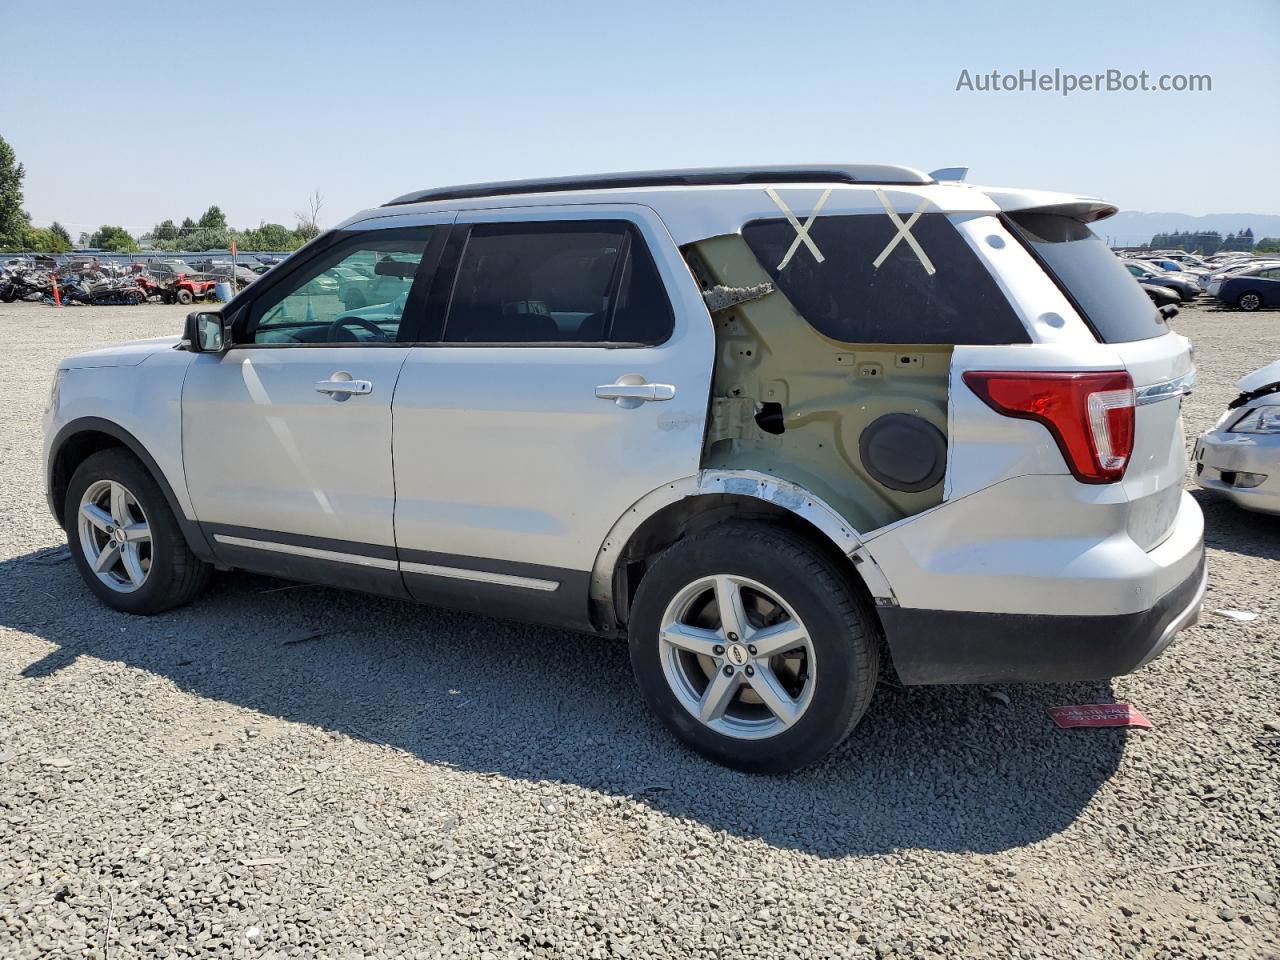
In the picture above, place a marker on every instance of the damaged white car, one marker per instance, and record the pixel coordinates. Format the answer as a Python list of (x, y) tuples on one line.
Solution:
[(767, 424), (1239, 457)]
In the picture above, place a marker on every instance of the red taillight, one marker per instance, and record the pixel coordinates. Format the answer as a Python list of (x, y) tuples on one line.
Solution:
[(1089, 414)]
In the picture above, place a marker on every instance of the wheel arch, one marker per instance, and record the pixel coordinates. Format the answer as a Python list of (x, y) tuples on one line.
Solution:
[(684, 506), (79, 439)]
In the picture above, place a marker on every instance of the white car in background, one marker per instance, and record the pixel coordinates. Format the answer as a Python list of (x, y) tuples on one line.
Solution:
[(1239, 456)]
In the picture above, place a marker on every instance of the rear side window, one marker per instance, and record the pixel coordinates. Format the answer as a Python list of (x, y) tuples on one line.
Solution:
[(847, 297), (564, 281), (1093, 277)]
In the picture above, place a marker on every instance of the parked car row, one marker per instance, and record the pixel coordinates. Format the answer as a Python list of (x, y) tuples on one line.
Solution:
[(1243, 280)]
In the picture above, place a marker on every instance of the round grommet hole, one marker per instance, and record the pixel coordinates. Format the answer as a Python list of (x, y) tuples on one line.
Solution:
[(1053, 320), (996, 241)]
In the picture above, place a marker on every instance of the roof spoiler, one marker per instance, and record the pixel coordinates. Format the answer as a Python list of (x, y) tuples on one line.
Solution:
[(1084, 209)]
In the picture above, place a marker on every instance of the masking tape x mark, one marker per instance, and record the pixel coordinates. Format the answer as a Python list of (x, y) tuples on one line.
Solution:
[(904, 233), (802, 230)]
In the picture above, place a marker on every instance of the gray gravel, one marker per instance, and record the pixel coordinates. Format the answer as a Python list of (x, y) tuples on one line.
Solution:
[(404, 781)]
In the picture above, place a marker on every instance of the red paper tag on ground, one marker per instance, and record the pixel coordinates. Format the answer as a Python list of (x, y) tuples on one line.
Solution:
[(1099, 715)]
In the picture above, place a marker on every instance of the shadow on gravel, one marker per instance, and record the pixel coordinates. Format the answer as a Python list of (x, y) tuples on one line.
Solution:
[(941, 768), (1229, 527)]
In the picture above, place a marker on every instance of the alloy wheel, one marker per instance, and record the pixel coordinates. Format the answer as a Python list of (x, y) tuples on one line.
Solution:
[(115, 536), (737, 657)]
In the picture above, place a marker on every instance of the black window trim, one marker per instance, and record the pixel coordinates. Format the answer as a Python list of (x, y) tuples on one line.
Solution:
[(442, 290)]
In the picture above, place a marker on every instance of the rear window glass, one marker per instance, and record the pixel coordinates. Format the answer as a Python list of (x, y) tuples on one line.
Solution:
[(847, 297), (1117, 309)]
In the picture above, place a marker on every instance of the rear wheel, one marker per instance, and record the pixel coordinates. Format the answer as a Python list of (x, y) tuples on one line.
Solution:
[(124, 538), (1249, 301), (185, 297), (751, 645)]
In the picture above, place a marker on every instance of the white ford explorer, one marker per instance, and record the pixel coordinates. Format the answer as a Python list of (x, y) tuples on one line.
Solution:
[(766, 423)]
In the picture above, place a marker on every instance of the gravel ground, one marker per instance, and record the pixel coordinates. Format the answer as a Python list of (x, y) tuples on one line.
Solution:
[(294, 771)]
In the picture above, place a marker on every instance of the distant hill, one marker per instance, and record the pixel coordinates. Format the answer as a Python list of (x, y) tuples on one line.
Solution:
[(1132, 228)]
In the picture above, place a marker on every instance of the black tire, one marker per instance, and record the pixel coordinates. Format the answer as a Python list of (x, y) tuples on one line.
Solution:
[(821, 592), (185, 297), (176, 576), (1250, 301)]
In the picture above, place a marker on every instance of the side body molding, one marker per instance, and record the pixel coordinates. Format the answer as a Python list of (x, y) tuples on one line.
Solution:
[(748, 483)]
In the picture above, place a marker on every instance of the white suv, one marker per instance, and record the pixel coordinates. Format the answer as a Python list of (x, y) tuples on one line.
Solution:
[(762, 422)]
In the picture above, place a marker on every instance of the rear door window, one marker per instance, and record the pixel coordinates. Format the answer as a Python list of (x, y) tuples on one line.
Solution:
[(585, 281), (1093, 277), (847, 297)]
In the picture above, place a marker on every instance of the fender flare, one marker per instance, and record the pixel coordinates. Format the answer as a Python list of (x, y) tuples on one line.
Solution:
[(781, 493), (190, 528)]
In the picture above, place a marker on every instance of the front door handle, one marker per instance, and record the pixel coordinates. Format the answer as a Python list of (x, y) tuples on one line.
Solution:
[(634, 394), (342, 386)]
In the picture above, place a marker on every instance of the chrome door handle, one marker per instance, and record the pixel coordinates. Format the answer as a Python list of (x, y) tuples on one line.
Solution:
[(341, 386), (639, 392)]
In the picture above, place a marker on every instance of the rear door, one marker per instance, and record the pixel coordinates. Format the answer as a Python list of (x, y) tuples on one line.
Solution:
[(570, 377)]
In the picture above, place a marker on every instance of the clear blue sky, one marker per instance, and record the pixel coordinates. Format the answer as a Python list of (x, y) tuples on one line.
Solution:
[(131, 113)]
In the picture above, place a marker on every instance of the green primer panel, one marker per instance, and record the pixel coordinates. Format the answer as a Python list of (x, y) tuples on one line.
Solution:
[(828, 391)]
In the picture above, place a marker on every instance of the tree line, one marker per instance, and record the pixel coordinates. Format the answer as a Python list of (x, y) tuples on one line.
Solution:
[(209, 232), (1211, 241)]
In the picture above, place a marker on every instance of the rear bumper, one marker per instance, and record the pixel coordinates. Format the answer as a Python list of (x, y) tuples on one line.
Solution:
[(950, 646)]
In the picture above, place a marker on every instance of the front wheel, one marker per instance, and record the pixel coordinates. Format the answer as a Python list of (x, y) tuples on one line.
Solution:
[(185, 297), (751, 645), (125, 541)]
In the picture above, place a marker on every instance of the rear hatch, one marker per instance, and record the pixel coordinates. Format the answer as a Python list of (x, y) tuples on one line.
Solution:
[(1123, 319)]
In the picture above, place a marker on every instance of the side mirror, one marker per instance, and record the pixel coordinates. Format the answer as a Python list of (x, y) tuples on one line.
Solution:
[(207, 332)]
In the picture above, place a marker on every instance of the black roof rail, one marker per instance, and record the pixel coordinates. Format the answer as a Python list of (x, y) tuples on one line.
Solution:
[(694, 177)]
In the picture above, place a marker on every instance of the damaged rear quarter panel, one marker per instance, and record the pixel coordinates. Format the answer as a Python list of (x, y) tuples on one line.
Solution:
[(828, 392)]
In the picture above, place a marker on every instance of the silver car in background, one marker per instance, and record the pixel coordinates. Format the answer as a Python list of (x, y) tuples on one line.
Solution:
[(1240, 455)]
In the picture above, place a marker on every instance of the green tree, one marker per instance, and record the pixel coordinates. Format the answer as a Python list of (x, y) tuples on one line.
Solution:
[(12, 219), (165, 230), (188, 224), (43, 241), (63, 237), (213, 219), (268, 236), (115, 239)]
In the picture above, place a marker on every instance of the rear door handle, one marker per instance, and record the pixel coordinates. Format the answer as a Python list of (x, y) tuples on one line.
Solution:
[(640, 392), (342, 385)]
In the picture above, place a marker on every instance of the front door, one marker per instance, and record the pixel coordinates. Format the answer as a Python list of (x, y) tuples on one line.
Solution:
[(287, 436), (570, 379)]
